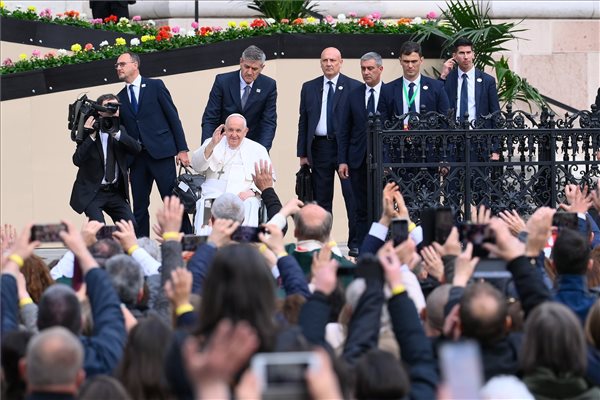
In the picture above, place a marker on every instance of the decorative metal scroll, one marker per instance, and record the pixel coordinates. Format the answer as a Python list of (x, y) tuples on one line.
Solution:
[(506, 160)]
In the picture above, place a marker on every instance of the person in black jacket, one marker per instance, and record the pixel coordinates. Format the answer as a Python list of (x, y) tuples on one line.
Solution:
[(102, 182)]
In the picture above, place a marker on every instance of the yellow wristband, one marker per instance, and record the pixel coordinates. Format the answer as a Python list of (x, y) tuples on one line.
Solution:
[(17, 259), (411, 226), (262, 248), (184, 308), (24, 301), (132, 249), (398, 289), (170, 235), (282, 254), (332, 244)]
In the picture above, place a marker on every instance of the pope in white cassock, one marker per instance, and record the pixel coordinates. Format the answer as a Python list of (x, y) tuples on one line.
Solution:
[(227, 160)]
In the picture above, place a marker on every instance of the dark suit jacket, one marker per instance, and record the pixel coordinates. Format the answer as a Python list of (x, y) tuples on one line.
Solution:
[(310, 110), (90, 159), (486, 94), (156, 124), (352, 137), (260, 112), (432, 96)]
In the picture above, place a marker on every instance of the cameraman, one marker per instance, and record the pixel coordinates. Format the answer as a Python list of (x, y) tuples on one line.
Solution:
[(102, 180)]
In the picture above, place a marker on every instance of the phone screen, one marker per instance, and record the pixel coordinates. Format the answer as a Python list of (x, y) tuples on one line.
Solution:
[(461, 367), (444, 221), (47, 233), (477, 234), (565, 220), (399, 230), (191, 242), (247, 234), (106, 232)]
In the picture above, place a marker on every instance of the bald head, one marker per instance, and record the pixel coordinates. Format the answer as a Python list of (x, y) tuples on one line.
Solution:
[(331, 62), (436, 301), (313, 222), (54, 359), (483, 313)]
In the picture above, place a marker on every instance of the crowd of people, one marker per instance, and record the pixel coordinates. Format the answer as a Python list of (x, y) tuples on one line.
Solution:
[(130, 317)]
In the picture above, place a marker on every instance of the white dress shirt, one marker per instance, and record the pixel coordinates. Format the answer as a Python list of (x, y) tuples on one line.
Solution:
[(470, 93), (321, 129)]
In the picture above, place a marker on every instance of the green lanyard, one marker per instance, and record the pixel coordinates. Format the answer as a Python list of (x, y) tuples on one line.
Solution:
[(414, 96)]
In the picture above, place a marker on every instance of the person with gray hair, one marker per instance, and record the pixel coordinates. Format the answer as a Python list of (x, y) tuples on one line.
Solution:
[(352, 138), (247, 92), (127, 278), (228, 206), (53, 365)]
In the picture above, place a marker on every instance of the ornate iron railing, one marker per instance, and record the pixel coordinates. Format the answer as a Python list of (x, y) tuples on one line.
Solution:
[(439, 161)]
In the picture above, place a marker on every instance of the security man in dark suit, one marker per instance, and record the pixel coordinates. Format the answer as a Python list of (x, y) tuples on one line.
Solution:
[(150, 116), (472, 91), (102, 182), (352, 137), (246, 92), (322, 101)]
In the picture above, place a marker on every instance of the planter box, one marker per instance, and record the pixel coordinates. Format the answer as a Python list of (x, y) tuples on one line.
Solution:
[(197, 58), (56, 36)]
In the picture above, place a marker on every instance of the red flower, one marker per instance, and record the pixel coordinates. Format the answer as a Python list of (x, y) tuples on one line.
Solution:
[(165, 28), (297, 21), (88, 47), (109, 19), (163, 34), (364, 21), (205, 30), (72, 14), (258, 23)]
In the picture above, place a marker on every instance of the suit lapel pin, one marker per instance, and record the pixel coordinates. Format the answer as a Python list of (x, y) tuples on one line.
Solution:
[(257, 90), (143, 85), (340, 88), (479, 80), (425, 87)]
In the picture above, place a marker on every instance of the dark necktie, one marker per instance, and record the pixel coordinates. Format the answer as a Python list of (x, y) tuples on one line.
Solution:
[(134, 102), (246, 95), (329, 109), (371, 102), (109, 175), (411, 99), (464, 97)]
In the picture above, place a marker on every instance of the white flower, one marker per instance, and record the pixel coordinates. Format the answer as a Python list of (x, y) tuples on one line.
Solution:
[(151, 22), (417, 20), (341, 17), (62, 52), (270, 21), (123, 20), (182, 32), (135, 42), (104, 43), (82, 16), (18, 7), (190, 33)]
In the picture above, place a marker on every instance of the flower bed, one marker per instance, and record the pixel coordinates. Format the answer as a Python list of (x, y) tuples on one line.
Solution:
[(150, 38)]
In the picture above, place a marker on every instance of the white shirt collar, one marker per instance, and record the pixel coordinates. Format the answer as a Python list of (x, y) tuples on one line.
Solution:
[(417, 81), (376, 87), (334, 80), (137, 82), (470, 73)]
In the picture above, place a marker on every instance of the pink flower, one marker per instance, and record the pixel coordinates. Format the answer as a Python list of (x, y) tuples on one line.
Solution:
[(89, 47), (217, 28), (352, 14), (194, 25), (96, 21), (36, 53), (7, 62), (175, 29), (46, 13), (50, 54), (376, 15), (136, 18), (329, 19), (431, 15)]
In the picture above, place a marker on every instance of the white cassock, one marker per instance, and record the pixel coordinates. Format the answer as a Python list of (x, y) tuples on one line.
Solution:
[(229, 170)]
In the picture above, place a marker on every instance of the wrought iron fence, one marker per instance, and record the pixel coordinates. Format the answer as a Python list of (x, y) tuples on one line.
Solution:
[(506, 160)]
